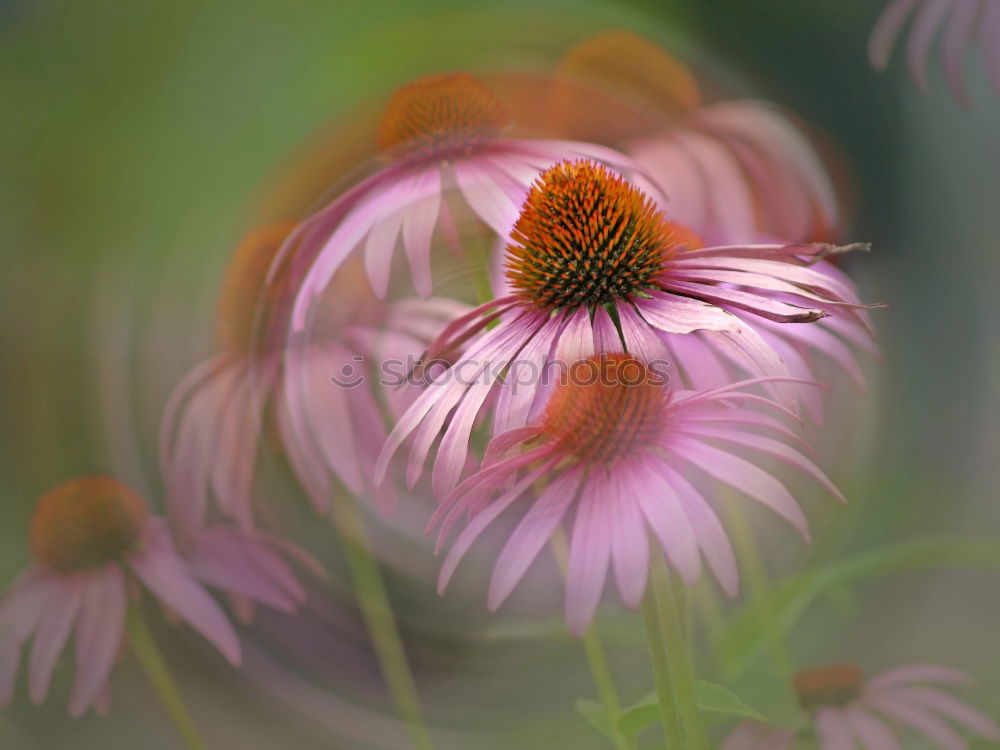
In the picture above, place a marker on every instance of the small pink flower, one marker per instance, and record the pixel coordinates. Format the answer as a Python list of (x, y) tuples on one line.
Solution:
[(595, 266), (959, 22), (214, 420), (438, 133), (93, 538), (849, 712), (615, 448)]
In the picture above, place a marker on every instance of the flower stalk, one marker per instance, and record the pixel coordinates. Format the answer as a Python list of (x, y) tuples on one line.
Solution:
[(155, 668), (369, 587), (664, 615)]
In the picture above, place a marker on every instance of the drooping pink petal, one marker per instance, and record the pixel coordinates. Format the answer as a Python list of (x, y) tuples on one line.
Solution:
[(664, 511), (871, 731), (920, 719), (478, 524), (951, 707), (531, 534), (629, 537), (745, 477), (485, 197), (955, 44), (834, 730), (27, 601), (772, 448), (162, 571), (53, 631), (674, 314), (709, 532), (418, 228), (926, 24), (912, 673), (589, 554), (99, 632), (886, 31)]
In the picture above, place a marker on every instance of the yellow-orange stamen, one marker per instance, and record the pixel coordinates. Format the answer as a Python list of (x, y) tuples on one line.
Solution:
[(585, 236), (605, 407), (828, 685), (86, 522), (440, 114)]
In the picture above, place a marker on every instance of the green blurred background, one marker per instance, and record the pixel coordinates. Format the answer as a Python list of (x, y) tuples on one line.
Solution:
[(137, 141)]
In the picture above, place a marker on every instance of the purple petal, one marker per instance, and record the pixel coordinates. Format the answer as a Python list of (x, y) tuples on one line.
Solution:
[(926, 24), (531, 534), (589, 554), (664, 510), (745, 477), (834, 730), (99, 632), (955, 43), (158, 567), (630, 539), (53, 631), (418, 228), (886, 31)]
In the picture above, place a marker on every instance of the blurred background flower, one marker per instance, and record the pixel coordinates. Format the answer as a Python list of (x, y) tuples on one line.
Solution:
[(141, 142)]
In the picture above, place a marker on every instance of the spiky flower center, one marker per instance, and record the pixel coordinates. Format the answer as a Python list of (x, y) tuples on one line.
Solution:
[(245, 298), (828, 685), (86, 522), (605, 407), (440, 114), (585, 236)]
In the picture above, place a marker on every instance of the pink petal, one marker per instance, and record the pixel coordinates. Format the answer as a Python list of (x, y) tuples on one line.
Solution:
[(589, 554), (920, 719), (926, 24), (886, 31), (630, 539), (834, 730), (53, 631), (953, 708), (25, 604), (664, 510), (709, 532), (745, 477), (418, 228), (380, 245), (772, 448), (957, 38), (489, 201), (531, 534), (912, 673), (478, 524), (158, 567), (99, 632), (674, 314), (872, 732)]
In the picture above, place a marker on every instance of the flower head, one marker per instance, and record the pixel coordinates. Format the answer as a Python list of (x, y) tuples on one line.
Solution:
[(615, 448), (93, 538), (593, 266), (440, 115), (444, 136), (960, 22), (848, 711)]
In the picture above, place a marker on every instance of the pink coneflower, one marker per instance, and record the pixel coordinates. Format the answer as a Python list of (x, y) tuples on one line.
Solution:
[(215, 418), (592, 261), (614, 447), (850, 712), (740, 169), (440, 132), (94, 540), (959, 21)]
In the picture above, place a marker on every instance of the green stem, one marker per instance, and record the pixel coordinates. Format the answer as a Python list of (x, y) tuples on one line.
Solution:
[(376, 609), (597, 660), (151, 660), (664, 615)]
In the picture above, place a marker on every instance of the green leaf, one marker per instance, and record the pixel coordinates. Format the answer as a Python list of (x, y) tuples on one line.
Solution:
[(712, 698), (743, 638), (595, 715)]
